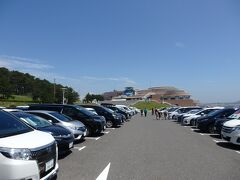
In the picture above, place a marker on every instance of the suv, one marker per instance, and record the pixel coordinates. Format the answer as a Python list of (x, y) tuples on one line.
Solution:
[(206, 123), (25, 153), (94, 124), (111, 118)]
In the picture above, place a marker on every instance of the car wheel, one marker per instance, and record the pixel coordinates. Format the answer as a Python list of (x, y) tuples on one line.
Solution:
[(88, 131), (211, 129), (192, 122), (109, 124)]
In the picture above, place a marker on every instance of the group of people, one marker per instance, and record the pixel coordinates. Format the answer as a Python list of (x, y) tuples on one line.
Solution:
[(155, 112), (159, 114), (144, 111)]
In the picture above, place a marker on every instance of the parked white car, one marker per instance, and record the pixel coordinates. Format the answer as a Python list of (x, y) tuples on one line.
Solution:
[(25, 153), (189, 120), (231, 131)]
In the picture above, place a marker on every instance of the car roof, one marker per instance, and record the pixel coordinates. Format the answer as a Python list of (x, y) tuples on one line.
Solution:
[(41, 111)]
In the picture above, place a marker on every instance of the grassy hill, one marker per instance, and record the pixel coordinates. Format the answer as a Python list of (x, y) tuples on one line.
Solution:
[(16, 100), (149, 105)]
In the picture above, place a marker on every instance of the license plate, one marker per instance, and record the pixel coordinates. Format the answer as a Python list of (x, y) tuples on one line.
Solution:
[(70, 145), (49, 165), (85, 133), (104, 127)]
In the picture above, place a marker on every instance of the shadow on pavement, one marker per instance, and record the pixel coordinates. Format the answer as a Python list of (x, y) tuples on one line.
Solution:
[(216, 136), (228, 145), (63, 155)]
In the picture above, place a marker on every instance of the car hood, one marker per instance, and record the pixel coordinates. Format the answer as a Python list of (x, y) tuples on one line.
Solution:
[(30, 140), (232, 123), (77, 123), (55, 130)]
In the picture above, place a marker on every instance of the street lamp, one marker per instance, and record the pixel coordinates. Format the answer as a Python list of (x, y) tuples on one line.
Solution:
[(63, 91)]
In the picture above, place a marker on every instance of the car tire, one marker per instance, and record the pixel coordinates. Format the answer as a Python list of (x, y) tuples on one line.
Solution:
[(192, 122), (211, 129), (88, 131), (109, 124)]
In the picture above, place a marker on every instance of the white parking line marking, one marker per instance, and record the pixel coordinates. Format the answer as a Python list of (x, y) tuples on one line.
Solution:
[(92, 138), (110, 128), (237, 152), (219, 141), (208, 134), (106, 132), (81, 148), (104, 173)]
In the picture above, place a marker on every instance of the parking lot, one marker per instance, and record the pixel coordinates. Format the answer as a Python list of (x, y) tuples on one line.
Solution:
[(146, 148)]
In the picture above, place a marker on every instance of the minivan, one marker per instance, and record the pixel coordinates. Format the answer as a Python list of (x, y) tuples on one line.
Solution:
[(25, 153)]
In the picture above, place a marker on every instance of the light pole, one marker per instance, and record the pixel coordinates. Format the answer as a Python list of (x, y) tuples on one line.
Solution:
[(63, 91)]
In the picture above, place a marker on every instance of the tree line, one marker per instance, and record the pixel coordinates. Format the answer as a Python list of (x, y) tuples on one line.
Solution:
[(17, 83)]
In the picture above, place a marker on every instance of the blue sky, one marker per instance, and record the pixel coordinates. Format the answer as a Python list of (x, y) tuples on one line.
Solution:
[(101, 45)]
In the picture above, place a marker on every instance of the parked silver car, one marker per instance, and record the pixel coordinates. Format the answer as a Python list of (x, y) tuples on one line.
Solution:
[(77, 128)]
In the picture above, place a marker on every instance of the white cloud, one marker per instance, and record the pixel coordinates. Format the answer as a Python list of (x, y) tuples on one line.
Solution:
[(179, 44), (121, 79), (18, 63)]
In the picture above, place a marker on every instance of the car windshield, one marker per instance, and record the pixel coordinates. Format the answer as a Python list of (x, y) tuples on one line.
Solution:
[(85, 111), (108, 110), (214, 113), (10, 125), (61, 117), (235, 115), (32, 120), (194, 111)]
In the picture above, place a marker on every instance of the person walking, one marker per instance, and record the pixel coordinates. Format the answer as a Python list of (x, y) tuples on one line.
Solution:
[(141, 112), (165, 115), (153, 110), (156, 113), (145, 112), (159, 114)]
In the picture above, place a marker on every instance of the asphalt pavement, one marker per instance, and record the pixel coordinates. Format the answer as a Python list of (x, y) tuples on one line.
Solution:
[(150, 149)]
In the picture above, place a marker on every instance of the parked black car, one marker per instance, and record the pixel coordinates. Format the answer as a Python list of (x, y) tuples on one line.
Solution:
[(63, 137), (206, 123), (112, 119), (117, 110), (219, 122), (94, 124)]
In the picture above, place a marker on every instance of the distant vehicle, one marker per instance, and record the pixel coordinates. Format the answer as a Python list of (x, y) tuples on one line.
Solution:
[(181, 117), (22, 107), (118, 110), (190, 120), (94, 124), (206, 123), (126, 109), (63, 137), (231, 131), (111, 118), (77, 128), (219, 122), (25, 153), (180, 112)]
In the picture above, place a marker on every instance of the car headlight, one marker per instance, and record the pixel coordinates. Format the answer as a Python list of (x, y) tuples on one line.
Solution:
[(16, 153), (237, 128), (73, 127)]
